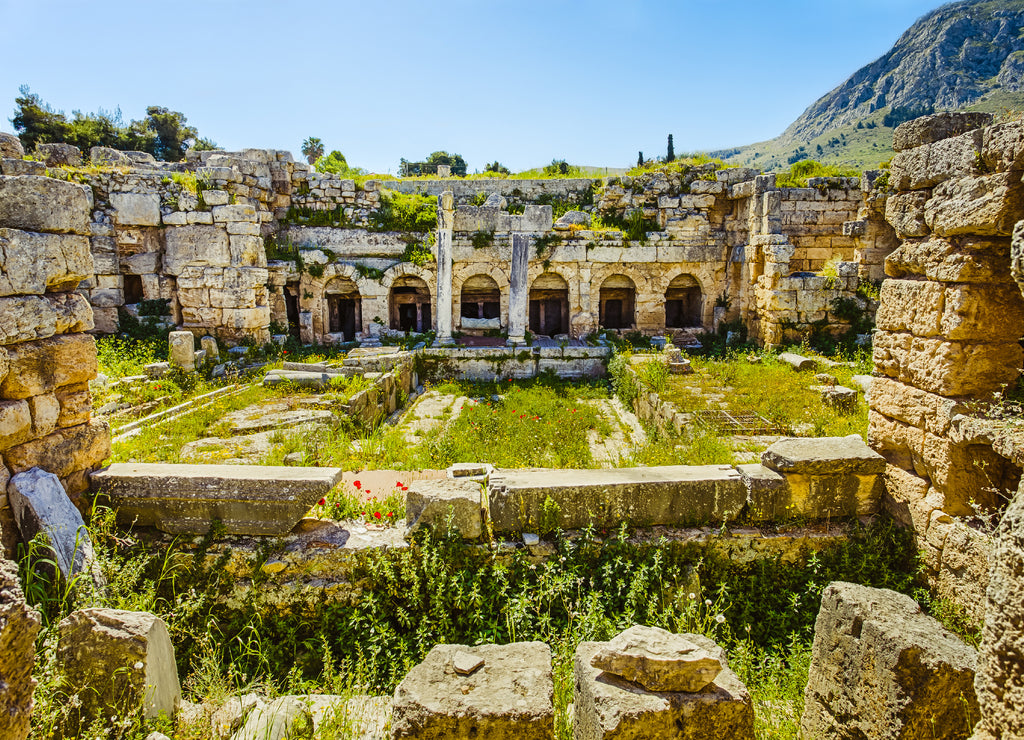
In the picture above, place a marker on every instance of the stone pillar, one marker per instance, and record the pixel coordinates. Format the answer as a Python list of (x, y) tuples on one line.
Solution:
[(183, 349), (445, 223), (518, 290)]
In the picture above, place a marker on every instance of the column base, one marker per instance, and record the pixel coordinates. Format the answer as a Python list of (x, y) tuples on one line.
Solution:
[(516, 341), (443, 342)]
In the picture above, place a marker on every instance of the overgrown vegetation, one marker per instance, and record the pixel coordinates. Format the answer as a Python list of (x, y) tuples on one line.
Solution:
[(404, 212), (802, 170)]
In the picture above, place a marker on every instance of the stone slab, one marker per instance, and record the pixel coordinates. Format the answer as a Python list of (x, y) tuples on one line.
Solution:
[(248, 499), (434, 502), (658, 660), (511, 697), (608, 706), (670, 495), (41, 505)]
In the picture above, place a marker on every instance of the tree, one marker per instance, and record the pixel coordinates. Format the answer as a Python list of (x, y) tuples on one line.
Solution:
[(640, 159), (497, 167), (163, 133), (313, 149), (455, 161), (671, 154), (336, 164)]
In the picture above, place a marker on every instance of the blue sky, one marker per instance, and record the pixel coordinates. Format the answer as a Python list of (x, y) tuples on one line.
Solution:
[(523, 82)]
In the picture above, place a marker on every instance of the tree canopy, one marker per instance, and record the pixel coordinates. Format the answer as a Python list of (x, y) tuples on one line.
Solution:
[(164, 133)]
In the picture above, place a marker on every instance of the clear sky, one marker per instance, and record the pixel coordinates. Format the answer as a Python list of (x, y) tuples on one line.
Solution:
[(523, 82)]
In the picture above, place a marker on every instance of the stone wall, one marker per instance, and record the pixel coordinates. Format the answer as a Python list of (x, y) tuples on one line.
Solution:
[(47, 358), (949, 326), (195, 234)]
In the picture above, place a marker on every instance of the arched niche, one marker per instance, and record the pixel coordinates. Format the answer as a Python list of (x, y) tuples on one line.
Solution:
[(409, 304), (343, 308), (684, 303), (480, 303), (617, 303), (549, 305)]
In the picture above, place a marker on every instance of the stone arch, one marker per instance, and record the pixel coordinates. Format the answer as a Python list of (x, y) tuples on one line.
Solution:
[(409, 304), (480, 302), (549, 304), (617, 302), (684, 302), (343, 306)]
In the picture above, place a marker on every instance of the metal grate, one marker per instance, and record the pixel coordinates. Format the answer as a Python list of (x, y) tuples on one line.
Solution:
[(738, 422)]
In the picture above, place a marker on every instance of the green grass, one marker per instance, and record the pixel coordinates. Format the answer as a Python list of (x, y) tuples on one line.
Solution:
[(769, 388)]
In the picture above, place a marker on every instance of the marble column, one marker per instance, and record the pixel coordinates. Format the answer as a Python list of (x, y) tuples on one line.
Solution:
[(518, 290), (445, 224)]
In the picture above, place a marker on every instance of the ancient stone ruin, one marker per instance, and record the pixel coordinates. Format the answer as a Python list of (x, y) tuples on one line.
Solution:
[(250, 248)]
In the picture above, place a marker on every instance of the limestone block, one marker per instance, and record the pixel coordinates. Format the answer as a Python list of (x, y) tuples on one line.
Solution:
[(249, 499), (913, 306), (195, 245), (658, 660), (965, 260), (105, 321), (45, 411), (910, 499), (46, 364), (882, 668), (668, 495), (985, 205), (929, 165), (33, 263), (914, 406), (64, 451), (905, 211), (767, 492), (145, 263), (228, 214), (982, 313), (283, 719), (19, 626), (607, 706), (106, 298), (104, 156), (75, 404), (15, 167), (937, 127), (945, 367), (247, 251), (1003, 147), (177, 218), (27, 317), (136, 209), (509, 698), (182, 347), (59, 154), (15, 423), (1017, 256), (122, 660), (216, 197), (435, 502), (41, 506), (44, 204), (10, 146), (998, 683), (242, 227)]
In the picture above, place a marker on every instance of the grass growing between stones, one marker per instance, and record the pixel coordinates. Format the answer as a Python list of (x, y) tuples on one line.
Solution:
[(230, 640), (769, 388)]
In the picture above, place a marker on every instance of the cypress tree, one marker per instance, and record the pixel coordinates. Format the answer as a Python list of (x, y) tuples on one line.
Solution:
[(671, 155), (640, 160)]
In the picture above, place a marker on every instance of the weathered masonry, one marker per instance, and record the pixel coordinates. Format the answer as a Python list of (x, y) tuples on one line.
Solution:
[(676, 252)]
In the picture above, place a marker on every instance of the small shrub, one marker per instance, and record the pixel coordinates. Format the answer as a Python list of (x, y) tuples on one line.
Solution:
[(482, 239)]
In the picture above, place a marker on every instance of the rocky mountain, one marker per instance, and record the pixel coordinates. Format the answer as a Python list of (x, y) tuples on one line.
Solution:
[(967, 54)]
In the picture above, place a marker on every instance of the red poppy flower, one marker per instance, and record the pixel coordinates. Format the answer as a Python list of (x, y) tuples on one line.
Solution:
[(357, 484), (377, 514), (398, 484), (323, 502)]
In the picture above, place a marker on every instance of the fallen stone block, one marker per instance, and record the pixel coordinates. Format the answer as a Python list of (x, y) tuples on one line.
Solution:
[(19, 626), (157, 369), (59, 154), (40, 505), (435, 502), (828, 476), (316, 380), (528, 500), (247, 499), (880, 668), (767, 492), (118, 661), (658, 660), (511, 697), (839, 397), (798, 362), (609, 706), (282, 719)]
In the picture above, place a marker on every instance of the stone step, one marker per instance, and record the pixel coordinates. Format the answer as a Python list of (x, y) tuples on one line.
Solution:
[(682, 495), (186, 499)]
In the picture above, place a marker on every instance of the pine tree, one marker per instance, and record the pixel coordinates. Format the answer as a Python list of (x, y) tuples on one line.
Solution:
[(671, 155)]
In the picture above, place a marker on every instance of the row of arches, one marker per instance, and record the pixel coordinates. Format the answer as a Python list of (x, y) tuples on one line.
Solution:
[(480, 304)]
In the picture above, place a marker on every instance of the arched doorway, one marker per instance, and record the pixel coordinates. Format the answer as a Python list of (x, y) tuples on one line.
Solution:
[(344, 308), (618, 303), (480, 303), (549, 305), (683, 303), (409, 305)]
